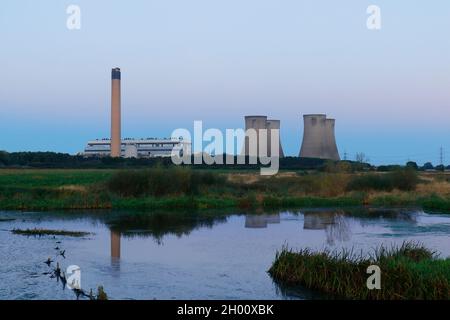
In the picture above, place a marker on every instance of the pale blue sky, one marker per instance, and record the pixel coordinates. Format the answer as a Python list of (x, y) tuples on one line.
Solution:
[(218, 60)]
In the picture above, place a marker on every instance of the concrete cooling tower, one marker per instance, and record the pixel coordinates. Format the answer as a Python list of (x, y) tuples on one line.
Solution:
[(331, 150), (273, 124), (318, 138), (258, 123), (116, 143)]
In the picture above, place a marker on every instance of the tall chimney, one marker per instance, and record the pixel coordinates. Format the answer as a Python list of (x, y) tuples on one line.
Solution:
[(116, 142)]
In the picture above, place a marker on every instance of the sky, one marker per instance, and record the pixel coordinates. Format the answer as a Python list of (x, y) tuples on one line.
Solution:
[(219, 60)]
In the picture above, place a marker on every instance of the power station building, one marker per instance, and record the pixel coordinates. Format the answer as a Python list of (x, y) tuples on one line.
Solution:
[(131, 148), (319, 139), (257, 123), (139, 148)]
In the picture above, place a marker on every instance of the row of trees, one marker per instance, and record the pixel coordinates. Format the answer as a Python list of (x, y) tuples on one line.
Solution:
[(64, 160)]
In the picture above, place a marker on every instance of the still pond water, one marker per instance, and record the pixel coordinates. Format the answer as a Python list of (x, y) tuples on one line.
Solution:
[(207, 255)]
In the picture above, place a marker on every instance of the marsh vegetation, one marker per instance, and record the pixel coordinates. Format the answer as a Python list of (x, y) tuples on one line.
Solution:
[(184, 187), (408, 272)]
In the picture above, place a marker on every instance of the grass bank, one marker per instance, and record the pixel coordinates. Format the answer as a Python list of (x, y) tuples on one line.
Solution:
[(407, 272), (176, 187)]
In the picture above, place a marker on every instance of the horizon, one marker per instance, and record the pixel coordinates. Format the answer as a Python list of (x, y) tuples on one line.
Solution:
[(387, 89)]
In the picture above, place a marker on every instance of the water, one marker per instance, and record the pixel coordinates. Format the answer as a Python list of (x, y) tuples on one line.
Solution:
[(208, 255)]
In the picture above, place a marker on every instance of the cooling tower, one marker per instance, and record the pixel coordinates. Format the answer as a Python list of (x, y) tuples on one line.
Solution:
[(273, 124), (257, 123), (115, 113), (319, 138), (331, 150)]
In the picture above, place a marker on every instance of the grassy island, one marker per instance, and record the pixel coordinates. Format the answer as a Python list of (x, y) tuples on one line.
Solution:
[(408, 272), (48, 232)]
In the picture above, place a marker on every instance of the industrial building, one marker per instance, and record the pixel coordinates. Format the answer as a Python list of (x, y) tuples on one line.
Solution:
[(131, 148), (319, 139), (257, 123), (139, 148)]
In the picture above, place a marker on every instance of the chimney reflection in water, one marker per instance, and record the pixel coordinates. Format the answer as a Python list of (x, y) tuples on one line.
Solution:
[(115, 248)]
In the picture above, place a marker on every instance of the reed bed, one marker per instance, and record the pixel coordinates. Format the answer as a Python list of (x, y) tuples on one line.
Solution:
[(408, 272)]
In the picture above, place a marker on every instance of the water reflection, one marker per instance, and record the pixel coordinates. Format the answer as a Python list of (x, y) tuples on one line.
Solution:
[(336, 223), (159, 224), (337, 228), (205, 255), (115, 245), (253, 221), (318, 220)]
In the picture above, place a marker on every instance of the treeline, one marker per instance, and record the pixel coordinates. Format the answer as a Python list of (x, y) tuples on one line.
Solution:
[(66, 161), (428, 166)]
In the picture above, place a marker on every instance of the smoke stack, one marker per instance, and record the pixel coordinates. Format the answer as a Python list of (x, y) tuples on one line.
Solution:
[(318, 138), (116, 143)]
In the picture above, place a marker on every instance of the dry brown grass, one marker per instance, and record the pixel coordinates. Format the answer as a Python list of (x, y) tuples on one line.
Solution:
[(73, 187), (335, 184), (243, 178), (434, 187), (428, 187), (372, 195), (249, 178)]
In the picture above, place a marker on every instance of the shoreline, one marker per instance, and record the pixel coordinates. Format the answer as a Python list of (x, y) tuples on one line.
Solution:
[(432, 204)]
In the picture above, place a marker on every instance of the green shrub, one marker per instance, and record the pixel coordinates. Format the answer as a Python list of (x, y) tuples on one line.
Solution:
[(405, 179), (370, 182), (402, 179), (129, 183), (162, 181)]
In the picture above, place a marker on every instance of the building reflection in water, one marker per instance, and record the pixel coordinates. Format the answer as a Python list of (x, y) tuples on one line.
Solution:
[(318, 220), (253, 221), (336, 227)]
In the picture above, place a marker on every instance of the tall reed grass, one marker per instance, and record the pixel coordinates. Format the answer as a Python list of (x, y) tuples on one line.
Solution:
[(410, 271)]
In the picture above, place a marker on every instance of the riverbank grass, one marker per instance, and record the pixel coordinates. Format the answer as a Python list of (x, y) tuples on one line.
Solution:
[(187, 188), (408, 272)]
